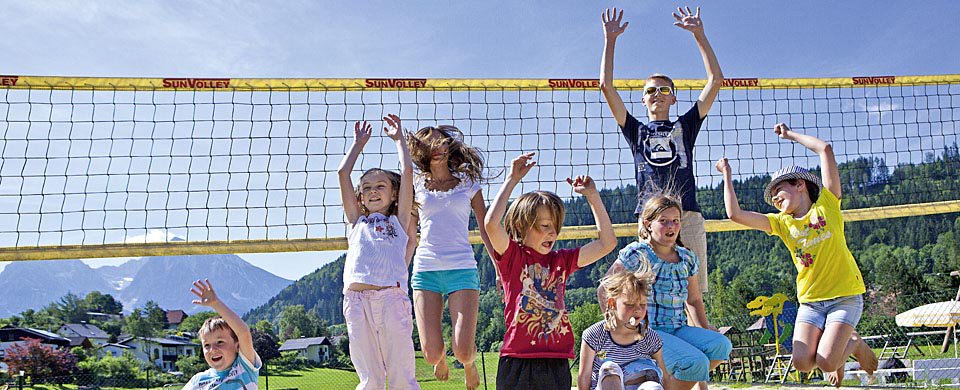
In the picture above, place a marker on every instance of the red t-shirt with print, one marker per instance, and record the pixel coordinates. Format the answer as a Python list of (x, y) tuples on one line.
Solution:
[(536, 318)]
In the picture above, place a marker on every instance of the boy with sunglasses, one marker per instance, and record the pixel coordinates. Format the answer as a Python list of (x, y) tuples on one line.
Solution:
[(663, 149)]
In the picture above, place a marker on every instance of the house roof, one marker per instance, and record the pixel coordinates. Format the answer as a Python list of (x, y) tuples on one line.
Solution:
[(166, 341), (86, 330), (303, 343), (121, 346), (175, 316), (40, 334), (80, 342)]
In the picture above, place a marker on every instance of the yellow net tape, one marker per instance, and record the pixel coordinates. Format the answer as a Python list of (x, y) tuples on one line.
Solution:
[(412, 84), (181, 248)]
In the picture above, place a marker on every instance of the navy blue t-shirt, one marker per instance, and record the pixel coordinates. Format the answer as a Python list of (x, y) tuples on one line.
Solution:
[(663, 155)]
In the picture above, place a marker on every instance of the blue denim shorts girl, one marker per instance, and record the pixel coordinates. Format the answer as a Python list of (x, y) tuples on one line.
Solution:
[(845, 310)]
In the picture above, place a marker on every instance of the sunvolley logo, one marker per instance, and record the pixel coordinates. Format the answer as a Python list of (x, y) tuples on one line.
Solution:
[(196, 83), (395, 83), (8, 81), (574, 83), (741, 82), (874, 80)]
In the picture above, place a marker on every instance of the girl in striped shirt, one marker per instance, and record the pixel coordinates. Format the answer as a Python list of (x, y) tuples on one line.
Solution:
[(622, 352)]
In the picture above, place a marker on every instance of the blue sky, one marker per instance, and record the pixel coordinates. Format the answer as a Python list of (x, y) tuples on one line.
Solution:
[(535, 39)]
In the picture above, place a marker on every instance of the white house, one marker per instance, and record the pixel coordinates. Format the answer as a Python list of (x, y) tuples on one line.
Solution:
[(115, 350), (92, 332), (161, 352), (316, 349)]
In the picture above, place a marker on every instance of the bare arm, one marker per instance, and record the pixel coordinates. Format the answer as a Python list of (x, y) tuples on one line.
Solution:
[(351, 208), (695, 303), (405, 196), (586, 365), (751, 219), (658, 356), (480, 212), (206, 296), (828, 162), (692, 22), (607, 240), (414, 238), (611, 30), (497, 234), (617, 266)]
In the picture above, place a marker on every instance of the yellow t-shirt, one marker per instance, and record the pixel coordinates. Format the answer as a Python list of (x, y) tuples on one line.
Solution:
[(825, 267)]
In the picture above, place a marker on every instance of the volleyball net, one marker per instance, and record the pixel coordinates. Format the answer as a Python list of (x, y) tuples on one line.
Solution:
[(104, 167)]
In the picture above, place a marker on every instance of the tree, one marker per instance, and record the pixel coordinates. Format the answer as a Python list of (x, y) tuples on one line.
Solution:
[(265, 344), (139, 324), (193, 323), (266, 327), (191, 365), (295, 322), (581, 318), (70, 309), (102, 303), (155, 313), (40, 362)]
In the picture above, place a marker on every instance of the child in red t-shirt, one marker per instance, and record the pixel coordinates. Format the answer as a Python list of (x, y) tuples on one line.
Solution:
[(539, 339)]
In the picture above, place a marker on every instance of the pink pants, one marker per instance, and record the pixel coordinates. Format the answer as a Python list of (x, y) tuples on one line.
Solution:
[(380, 329)]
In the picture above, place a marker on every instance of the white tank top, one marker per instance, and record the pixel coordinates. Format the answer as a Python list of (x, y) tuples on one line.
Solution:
[(375, 252), (444, 217)]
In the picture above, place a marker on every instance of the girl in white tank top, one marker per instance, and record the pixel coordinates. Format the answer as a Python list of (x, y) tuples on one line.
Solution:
[(375, 303)]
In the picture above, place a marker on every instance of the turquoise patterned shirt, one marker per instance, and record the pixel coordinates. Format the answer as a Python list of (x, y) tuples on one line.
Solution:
[(666, 305), (242, 375)]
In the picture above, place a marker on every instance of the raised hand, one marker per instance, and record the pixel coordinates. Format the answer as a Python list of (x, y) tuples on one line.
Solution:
[(722, 166), (204, 290), (582, 184), (361, 132), (521, 166), (783, 131), (688, 20), (393, 129), (611, 23)]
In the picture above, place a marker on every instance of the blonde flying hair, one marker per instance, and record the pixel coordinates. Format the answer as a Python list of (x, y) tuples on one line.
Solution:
[(636, 283), (462, 158), (652, 208), (522, 213), (214, 324)]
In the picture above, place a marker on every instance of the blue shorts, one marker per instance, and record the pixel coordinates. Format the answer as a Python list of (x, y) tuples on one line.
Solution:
[(846, 310), (688, 350), (446, 282)]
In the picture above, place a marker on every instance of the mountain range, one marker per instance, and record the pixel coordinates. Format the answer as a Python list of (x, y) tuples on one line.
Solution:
[(164, 279)]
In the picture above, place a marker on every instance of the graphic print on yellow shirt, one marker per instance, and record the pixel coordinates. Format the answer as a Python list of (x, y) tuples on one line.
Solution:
[(825, 267)]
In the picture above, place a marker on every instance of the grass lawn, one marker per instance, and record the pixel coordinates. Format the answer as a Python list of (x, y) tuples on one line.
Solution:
[(342, 379)]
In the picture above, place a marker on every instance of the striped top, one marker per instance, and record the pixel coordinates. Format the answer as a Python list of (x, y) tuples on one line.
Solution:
[(375, 253), (669, 293), (606, 349)]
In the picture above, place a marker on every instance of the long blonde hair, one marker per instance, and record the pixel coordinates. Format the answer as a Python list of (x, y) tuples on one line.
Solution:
[(625, 283), (652, 209), (462, 158), (522, 213)]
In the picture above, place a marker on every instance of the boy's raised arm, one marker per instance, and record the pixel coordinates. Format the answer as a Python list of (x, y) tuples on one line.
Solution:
[(691, 22), (611, 30), (607, 239), (207, 297), (495, 230)]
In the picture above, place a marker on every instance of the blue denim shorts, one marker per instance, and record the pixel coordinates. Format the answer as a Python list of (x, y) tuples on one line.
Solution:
[(843, 309), (446, 282)]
